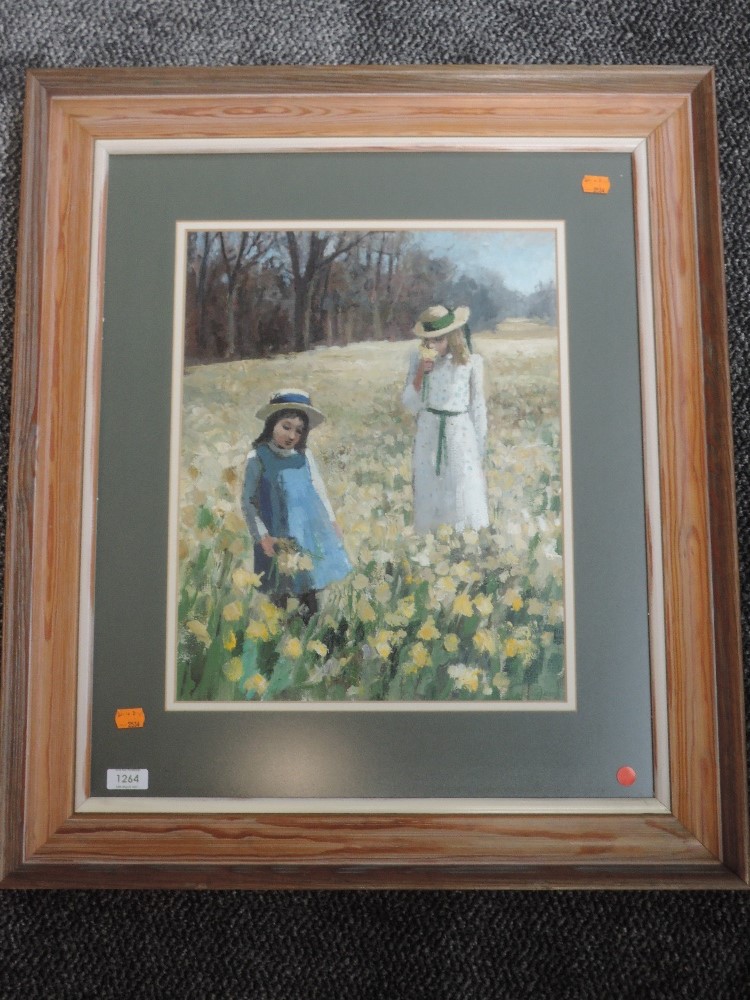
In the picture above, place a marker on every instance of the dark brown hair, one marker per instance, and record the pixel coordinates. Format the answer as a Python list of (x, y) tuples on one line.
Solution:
[(272, 419)]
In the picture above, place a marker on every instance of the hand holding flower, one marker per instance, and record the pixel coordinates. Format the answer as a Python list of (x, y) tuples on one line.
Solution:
[(267, 543), (427, 357)]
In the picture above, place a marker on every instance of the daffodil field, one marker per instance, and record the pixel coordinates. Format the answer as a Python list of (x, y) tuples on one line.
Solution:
[(471, 616)]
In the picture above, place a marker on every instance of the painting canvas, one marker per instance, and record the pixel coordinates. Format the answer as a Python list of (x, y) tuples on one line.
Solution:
[(368, 499)]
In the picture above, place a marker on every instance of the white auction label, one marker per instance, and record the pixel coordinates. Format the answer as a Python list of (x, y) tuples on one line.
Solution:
[(127, 779)]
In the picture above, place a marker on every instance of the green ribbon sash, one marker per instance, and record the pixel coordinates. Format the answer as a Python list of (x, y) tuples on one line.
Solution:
[(441, 445)]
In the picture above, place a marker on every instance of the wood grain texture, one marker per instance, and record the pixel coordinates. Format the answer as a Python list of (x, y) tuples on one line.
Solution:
[(20, 533), (335, 850), (359, 115), (704, 842), (56, 563), (684, 484), (726, 635), (147, 83)]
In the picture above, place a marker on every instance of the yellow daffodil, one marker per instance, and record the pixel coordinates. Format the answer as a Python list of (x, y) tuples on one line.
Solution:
[(270, 612), (233, 669), (483, 605), (382, 643), (292, 648), (501, 681), (256, 683), (484, 641), (257, 630), (432, 603), (232, 612), (230, 642), (445, 588), (382, 593), (199, 630), (360, 581), (535, 607), (420, 655), (451, 642), (428, 630), (365, 611), (317, 647), (234, 523), (463, 606), (513, 599), (465, 677), (243, 580), (511, 648), (394, 619), (406, 607)]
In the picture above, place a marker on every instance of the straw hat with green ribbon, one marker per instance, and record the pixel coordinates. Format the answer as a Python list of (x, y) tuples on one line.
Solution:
[(437, 321)]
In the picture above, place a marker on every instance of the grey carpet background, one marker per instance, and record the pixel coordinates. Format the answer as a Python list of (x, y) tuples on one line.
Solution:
[(381, 945)]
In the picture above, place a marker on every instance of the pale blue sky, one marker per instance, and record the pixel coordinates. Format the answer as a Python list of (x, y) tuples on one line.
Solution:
[(523, 257)]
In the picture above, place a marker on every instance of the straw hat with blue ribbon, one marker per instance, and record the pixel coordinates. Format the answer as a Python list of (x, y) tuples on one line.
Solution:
[(291, 399)]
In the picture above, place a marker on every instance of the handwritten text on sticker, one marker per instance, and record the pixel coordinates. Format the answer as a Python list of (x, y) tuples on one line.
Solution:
[(130, 718)]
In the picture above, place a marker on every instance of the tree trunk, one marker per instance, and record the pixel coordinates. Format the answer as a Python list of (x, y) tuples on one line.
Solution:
[(348, 327), (201, 295)]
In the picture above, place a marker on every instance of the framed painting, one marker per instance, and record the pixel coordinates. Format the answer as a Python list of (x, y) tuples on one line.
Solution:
[(371, 501)]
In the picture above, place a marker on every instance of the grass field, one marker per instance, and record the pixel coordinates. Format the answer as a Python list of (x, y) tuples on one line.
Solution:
[(476, 615)]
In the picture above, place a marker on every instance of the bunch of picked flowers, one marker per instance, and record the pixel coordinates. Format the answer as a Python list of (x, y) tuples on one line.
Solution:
[(289, 558)]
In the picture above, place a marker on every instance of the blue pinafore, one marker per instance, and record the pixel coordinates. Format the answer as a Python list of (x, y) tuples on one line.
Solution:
[(290, 507)]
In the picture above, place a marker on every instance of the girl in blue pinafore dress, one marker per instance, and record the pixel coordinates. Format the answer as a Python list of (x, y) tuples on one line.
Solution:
[(287, 509)]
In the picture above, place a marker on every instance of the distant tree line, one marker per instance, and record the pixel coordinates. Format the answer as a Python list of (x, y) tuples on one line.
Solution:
[(255, 294)]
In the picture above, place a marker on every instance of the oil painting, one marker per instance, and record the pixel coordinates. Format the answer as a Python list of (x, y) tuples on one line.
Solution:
[(369, 506)]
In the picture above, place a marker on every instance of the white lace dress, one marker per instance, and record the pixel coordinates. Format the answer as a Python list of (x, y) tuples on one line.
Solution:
[(447, 465)]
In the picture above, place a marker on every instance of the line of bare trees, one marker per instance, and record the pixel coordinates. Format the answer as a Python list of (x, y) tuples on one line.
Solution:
[(254, 294)]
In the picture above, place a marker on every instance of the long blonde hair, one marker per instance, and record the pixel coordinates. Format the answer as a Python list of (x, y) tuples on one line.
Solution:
[(458, 347)]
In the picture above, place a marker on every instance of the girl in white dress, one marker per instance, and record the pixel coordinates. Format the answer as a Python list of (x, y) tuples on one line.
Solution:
[(444, 389)]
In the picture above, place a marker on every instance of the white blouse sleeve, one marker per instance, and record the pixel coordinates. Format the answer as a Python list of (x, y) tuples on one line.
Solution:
[(477, 406), (253, 472), (410, 397), (319, 485)]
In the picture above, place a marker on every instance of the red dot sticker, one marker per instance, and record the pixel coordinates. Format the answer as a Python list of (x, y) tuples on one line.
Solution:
[(626, 776)]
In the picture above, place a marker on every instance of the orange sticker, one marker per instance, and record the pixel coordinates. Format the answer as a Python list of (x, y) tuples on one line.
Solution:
[(130, 718), (592, 184)]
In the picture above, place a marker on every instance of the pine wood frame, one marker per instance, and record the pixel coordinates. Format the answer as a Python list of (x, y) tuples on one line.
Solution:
[(703, 841)]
